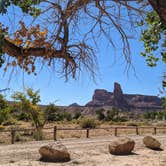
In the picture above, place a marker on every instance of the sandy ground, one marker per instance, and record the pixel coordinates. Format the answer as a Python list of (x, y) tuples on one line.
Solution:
[(84, 152)]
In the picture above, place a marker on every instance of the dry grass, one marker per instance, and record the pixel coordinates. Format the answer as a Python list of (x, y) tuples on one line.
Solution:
[(5, 137)]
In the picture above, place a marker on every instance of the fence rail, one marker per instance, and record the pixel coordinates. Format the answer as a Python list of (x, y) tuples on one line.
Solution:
[(55, 130)]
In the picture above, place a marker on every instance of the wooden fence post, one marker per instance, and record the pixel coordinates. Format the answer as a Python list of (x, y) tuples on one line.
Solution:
[(12, 136), (87, 133), (137, 133), (55, 133), (155, 132), (116, 131)]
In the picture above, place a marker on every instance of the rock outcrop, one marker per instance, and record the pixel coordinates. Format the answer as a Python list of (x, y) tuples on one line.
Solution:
[(122, 146), (123, 101)]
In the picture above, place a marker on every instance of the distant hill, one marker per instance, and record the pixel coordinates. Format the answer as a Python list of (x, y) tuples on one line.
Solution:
[(74, 105), (126, 102), (137, 103)]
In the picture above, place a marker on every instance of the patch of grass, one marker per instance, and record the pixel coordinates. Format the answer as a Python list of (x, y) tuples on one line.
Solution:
[(88, 123)]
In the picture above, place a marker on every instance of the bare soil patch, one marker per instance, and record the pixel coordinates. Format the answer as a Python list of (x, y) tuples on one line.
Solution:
[(84, 152)]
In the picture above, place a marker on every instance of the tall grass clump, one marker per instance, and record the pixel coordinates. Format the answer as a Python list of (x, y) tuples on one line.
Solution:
[(88, 122)]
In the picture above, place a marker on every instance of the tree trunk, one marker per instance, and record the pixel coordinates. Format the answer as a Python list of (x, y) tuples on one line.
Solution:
[(160, 7)]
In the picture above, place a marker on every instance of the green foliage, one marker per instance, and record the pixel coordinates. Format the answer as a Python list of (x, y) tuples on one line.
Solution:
[(17, 137), (4, 115), (150, 115), (100, 114), (5, 112), (164, 103), (154, 38), (67, 116), (23, 116), (77, 115), (34, 97), (10, 121), (18, 113), (51, 112), (27, 6), (112, 115), (88, 123), (155, 115), (28, 102), (38, 135), (3, 102)]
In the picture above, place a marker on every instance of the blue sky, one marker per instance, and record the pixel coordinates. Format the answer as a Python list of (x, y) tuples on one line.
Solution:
[(140, 80)]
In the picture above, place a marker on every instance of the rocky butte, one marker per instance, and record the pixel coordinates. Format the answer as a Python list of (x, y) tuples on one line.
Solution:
[(125, 102)]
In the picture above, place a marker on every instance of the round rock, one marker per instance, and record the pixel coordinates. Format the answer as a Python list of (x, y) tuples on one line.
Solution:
[(55, 152), (122, 146), (151, 143)]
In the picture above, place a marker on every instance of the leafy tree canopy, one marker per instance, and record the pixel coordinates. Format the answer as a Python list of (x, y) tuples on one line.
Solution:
[(27, 6), (154, 38), (28, 102), (64, 41)]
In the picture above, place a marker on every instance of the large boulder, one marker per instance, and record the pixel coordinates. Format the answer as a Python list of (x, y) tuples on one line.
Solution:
[(122, 146), (55, 152), (151, 143)]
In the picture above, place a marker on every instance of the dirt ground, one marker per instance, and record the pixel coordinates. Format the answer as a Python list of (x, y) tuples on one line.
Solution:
[(84, 152)]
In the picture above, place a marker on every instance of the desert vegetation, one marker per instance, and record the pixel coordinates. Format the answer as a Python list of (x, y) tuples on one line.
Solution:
[(26, 113)]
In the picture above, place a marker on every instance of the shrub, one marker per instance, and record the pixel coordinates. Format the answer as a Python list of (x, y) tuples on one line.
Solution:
[(100, 114), (77, 115), (59, 117), (67, 116), (112, 114), (4, 114), (17, 137), (38, 135), (3, 102), (51, 112), (2, 127), (88, 123), (10, 121), (23, 116)]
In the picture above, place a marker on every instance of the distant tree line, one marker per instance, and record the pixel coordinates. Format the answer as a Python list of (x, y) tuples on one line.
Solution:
[(25, 107)]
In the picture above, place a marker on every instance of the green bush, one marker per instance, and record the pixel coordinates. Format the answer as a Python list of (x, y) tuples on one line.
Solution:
[(10, 121), (88, 123), (77, 115), (67, 116), (4, 114), (17, 137), (38, 135), (51, 112), (112, 115), (23, 116), (100, 114)]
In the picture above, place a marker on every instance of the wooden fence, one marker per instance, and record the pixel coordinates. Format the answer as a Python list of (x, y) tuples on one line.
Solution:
[(87, 130)]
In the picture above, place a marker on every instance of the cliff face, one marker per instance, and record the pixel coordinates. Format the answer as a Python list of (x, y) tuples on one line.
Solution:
[(125, 102)]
